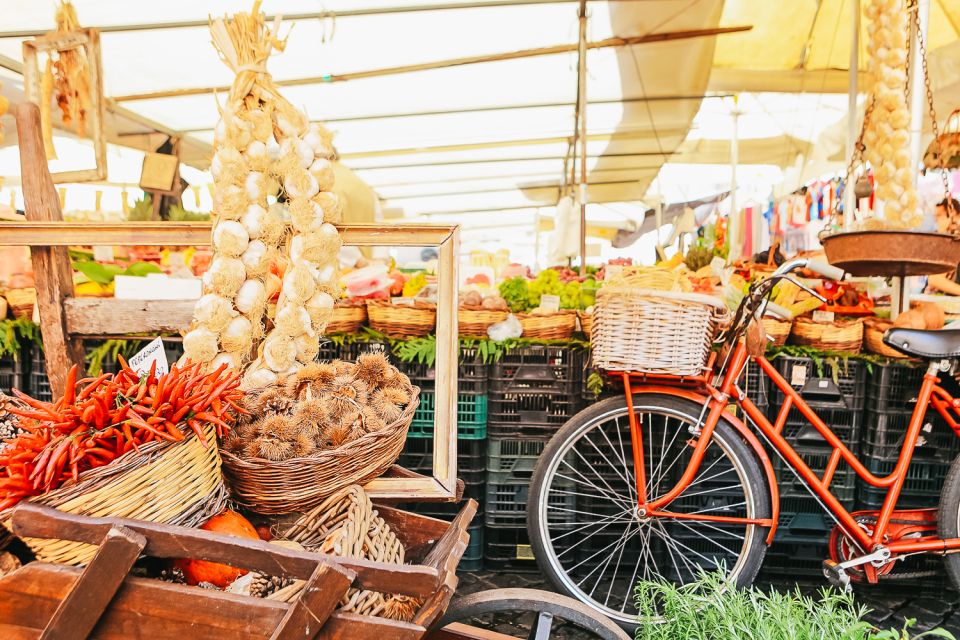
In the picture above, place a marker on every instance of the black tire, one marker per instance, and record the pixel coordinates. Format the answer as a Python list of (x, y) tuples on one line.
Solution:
[(607, 417), (948, 519)]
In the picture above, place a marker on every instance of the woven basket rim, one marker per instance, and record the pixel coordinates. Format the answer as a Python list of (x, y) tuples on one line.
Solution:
[(475, 308), (418, 305), (360, 443), (552, 314), (700, 298)]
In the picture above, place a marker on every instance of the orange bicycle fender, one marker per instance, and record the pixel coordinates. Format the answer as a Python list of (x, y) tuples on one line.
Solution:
[(747, 435)]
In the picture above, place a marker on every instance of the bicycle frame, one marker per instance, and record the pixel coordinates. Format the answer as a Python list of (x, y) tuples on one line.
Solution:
[(717, 400)]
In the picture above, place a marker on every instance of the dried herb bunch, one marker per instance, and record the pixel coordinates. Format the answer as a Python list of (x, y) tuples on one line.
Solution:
[(322, 406)]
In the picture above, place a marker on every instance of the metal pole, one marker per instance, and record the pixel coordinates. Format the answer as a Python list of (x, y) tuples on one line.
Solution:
[(849, 198), (733, 226), (582, 99), (917, 88)]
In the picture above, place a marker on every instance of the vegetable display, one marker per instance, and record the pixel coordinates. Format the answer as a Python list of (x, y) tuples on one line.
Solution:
[(264, 148), (98, 420)]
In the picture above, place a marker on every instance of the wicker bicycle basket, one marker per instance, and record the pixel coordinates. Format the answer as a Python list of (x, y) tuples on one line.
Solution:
[(169, 483), (272, 488), (654, 331), (473, 321), (840, 335), (347, 317), (555, 326), (873, 330), (402, 321)]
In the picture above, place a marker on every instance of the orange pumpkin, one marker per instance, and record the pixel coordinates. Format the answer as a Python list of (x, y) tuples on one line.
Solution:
[(222, 576)]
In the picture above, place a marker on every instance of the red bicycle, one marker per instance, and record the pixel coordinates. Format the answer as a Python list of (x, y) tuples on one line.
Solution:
[(665, 481)]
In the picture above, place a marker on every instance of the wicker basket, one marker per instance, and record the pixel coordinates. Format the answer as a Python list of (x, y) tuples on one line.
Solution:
[(21, 301), (840, 335), (347, 317), (555, 326), (873, 330), (402, 321), (586, 322), (473, 321), (654, 331), (777, 330), (178, 484), (300, 484)]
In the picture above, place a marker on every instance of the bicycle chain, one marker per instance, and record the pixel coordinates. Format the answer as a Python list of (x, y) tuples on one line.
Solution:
[(894, 574)]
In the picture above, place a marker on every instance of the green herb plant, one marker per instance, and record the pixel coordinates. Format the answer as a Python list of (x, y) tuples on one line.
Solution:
[(108, 351), (713, 609), (16, 335)]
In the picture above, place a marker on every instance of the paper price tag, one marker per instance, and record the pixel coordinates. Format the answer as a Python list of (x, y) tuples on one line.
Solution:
[(403, 302), (550, 303), (103, 254), (613, 270), (798, 375), (823, 316), (151, 353)]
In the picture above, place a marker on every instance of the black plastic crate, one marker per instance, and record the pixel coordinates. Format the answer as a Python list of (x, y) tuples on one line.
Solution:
[(13, 372), (846, 424), (803, 526), (506, 504), (529, 414), (471, 373), (39, 385), (837, 384), (843, 485), (471, 462), (756, 385), (792, 559), (545, 368), (894, 386), (884, 433), (512, 459), (508, 550), (330, 350), (472, 559), (921, 489)]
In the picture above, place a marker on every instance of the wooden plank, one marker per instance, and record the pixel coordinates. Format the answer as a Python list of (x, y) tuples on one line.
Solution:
[(165, 541), (448, 349), (418, 533), (460, 631), (162, 611), (436, 605), (51, 265), (65, 234), (110, 316), (316, 602), (91, 594), (438, 556)]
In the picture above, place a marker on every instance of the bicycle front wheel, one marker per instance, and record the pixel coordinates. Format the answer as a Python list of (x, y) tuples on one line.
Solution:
[(582, 517)]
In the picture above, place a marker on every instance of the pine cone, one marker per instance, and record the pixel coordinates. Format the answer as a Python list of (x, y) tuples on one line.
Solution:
[(262, 586)]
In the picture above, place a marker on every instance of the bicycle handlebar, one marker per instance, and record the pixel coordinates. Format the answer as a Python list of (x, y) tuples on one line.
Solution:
[(828, 271)]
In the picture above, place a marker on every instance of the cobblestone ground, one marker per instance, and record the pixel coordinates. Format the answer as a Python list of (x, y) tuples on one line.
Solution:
[(932, 606)]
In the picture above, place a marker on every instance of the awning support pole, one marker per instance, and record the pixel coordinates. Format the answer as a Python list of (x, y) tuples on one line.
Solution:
[(849, 198), (582, 100)]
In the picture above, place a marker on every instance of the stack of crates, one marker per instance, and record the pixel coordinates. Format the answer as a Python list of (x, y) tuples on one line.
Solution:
[(534, 390), (892, 391), (836, 392), (13, 372), (471, 440)]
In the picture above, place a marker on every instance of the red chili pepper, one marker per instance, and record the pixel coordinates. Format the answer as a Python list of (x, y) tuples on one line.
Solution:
[(70, 388)]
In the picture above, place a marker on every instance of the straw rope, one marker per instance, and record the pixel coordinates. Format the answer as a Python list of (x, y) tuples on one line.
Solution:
[(178, 483), (287, 486), (347, 525)]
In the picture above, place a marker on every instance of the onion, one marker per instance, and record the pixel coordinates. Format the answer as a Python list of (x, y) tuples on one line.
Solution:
[(225, 276), (255, 259), (298, 283), (230, 359), (322, 170), (279, 352), (308, 348), (256, 186), (253, 220), (200, 345), (238, 335), (257, 377), (213, 312), (293, 320)]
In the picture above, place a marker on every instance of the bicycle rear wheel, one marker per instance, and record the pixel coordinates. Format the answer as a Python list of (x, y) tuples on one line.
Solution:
[(582, 516)]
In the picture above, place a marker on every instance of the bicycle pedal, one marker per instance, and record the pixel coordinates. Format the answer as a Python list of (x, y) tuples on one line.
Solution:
[(836, 575)]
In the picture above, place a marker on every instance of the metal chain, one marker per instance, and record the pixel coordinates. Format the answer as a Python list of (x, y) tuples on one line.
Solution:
[(915, 18)]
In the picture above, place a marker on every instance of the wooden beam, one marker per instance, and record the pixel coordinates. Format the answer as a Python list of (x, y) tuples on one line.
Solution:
[(114, 317), (91, 594), (667, 36), (65, 234), (51, 264), (310, 611), (784, 81), (165, 541)]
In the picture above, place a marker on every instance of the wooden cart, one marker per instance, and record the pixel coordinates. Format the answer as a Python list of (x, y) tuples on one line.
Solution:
[(41, 600)]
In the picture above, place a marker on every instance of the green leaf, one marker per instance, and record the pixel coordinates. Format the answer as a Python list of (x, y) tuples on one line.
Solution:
[(99, 273), (141, 269)]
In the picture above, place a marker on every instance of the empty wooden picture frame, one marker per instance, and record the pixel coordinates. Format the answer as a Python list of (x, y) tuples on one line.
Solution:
[(89, 41), (109, 316)]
